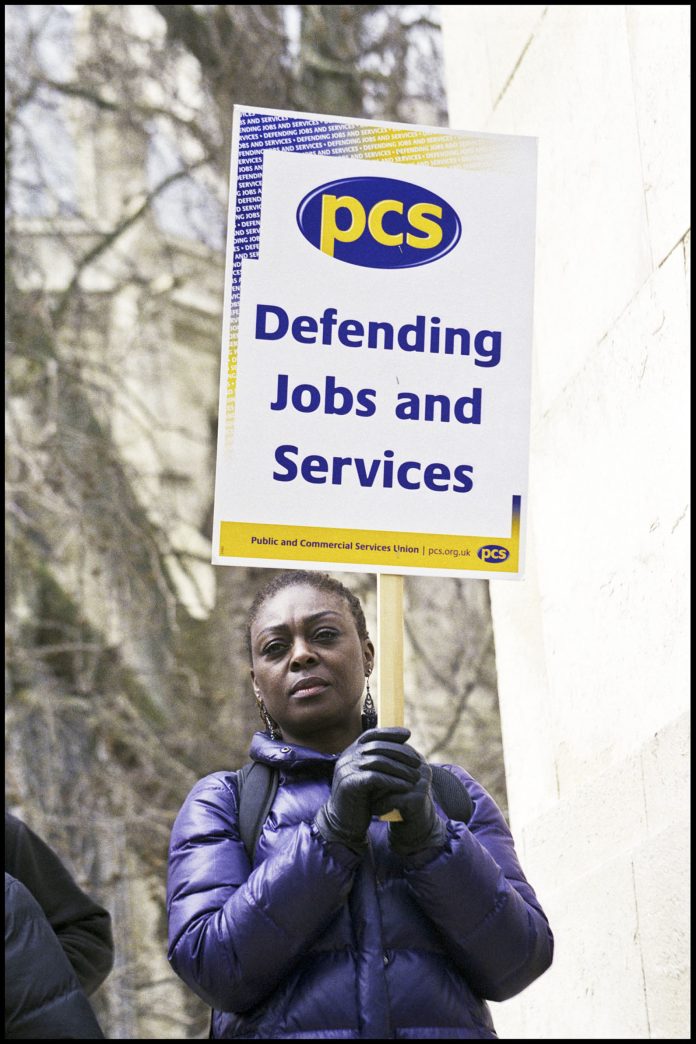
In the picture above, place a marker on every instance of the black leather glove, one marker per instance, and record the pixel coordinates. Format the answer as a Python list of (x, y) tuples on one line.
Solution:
[(367, 777), (421, 827)]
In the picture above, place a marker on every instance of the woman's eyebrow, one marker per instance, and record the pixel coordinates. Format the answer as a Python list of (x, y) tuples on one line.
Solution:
[(324, 612), (307, 621)]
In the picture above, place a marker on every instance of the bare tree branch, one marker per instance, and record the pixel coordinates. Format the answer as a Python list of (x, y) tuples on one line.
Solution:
[(114, 234)]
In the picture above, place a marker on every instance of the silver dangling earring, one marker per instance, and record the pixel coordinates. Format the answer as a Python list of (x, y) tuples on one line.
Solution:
[(272, 729), (369, 711)]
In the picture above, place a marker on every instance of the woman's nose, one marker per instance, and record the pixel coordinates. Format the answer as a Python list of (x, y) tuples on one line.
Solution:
[(302, 653)]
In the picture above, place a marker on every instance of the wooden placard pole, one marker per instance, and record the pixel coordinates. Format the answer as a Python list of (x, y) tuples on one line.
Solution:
[(390, 656)]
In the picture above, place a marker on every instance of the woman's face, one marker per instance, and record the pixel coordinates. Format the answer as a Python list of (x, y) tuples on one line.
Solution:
[(309, 666)]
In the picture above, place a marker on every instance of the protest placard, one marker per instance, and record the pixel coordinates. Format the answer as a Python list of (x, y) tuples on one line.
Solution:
[(376, 358)]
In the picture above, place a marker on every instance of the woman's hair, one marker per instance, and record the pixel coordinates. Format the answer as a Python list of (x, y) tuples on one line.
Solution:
[(305, 578)]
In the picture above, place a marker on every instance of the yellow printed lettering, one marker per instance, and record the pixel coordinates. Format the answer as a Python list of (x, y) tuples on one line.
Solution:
[(418, 220), (375, 222), (330, 230)]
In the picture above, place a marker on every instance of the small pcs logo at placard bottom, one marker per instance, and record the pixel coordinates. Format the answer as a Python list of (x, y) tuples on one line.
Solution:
[(493, 553)]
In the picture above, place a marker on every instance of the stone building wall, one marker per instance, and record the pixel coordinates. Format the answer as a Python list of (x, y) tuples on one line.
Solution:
[(592, 646)]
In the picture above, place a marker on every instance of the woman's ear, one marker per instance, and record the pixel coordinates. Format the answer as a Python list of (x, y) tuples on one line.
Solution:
[(368, 656), (253, 682)]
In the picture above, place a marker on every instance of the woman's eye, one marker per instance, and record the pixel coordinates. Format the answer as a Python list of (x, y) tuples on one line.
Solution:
[(326, 634), (273, 649)]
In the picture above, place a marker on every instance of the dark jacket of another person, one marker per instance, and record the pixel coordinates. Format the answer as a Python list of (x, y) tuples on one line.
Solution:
[(43, 999), (82, 926)]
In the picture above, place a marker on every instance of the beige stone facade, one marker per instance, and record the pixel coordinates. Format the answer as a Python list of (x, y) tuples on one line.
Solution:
[(592, 646)]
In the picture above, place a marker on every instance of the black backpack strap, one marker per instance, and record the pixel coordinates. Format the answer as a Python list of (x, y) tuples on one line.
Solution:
[(451, 794), (256, 785)]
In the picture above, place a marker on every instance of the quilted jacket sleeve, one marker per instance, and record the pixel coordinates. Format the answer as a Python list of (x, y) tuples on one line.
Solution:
[(475, 892), (234, 933), (83, 926), (43, 999)]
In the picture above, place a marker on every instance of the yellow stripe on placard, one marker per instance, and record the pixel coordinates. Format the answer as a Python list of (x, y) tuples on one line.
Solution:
[(372, 547), (436, 148)]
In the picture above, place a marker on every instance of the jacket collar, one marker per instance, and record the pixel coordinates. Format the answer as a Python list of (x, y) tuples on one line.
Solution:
[(281, 754)]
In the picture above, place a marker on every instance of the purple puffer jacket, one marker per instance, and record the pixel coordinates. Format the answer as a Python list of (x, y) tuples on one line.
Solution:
[(318, 942)]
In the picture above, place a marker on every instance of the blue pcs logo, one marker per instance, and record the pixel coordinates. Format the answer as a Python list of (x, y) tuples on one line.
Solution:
[(378, 222), (493, 553)]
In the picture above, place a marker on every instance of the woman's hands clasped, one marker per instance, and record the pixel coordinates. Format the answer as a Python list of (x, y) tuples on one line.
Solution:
[(377, 773)]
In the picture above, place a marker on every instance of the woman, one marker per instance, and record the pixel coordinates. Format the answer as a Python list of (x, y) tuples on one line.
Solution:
[(345, 926)]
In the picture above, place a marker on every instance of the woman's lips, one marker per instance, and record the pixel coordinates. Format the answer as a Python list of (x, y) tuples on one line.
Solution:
[(308, 687)]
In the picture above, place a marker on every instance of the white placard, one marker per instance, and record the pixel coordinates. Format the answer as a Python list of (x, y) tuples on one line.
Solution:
[(374, 402)]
